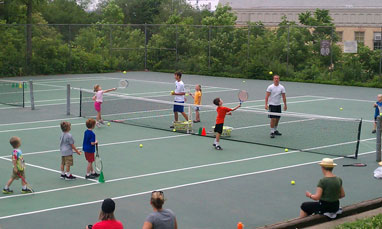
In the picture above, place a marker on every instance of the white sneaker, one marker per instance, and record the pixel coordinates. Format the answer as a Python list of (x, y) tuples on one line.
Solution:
[(98, 124)]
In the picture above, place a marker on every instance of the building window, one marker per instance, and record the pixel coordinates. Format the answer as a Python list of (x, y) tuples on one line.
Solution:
[(377, 40), (340, 35), (359, 37)]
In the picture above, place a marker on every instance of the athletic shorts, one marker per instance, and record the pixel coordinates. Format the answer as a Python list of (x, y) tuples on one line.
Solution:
[(89, 157), (67, 160), (320, 207), (179, 108), (219, 128), (276, 109), (196, 108), (15, 176), (97, 106)]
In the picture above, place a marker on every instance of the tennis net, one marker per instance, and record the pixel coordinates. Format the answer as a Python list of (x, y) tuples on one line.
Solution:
[(309, 133), (12, 92)]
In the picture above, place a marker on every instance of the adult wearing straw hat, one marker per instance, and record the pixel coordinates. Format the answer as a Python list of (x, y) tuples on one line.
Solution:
[(329, 191)]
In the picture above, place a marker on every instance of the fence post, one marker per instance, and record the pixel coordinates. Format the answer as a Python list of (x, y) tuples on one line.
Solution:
[(287, 68), (380, 58), (70, 47), (31, 94), (68, 99), (176, 47), (248, 38), (209, 47), (145, 46), (331, 54)]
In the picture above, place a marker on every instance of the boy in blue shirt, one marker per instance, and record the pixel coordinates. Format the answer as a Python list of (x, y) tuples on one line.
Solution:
[(377, 111), (89, 148)]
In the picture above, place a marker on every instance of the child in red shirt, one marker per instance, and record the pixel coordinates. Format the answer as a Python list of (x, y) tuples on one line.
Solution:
[(222, 112)]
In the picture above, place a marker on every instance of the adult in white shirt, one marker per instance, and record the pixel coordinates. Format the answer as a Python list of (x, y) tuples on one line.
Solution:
[(179, 97), (273, 103)]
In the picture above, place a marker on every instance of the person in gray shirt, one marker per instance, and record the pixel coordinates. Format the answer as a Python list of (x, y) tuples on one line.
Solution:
[(160, 218)]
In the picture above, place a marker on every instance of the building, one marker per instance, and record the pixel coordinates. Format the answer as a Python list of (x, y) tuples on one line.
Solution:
[(359, 20), (204, 4)]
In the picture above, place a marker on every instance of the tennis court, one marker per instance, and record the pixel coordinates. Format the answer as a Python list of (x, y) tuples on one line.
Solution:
[(206, 188)]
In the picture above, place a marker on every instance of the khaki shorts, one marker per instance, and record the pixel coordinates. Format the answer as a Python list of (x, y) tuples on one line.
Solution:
[(67, 160), (15, 176)]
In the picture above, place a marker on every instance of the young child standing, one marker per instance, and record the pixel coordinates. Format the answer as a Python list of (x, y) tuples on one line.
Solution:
[(98, 100), (89, 148), (377, 112), (222, 112), (18, 167), (197, 101), (179, 97), (67, 147)]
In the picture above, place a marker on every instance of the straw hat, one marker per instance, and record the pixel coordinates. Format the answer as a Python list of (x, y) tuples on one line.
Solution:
[(327, 163)]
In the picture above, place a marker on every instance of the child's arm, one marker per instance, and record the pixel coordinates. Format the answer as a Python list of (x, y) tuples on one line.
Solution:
[(109, 90), (235, 108), (375, 105), (75, 149), (94, 143)]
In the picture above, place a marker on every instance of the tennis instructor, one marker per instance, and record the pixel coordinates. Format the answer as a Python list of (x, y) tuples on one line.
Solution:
[(272, 103)]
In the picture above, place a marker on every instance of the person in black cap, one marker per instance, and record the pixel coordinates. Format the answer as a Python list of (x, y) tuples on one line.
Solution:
[(106, 217)]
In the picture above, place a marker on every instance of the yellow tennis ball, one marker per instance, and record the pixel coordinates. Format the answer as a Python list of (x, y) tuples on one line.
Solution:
[(341, 108), (286, 150), (243, 81), (270, 73), (186, 94), (172, 92), (292, 182), (124, 72), (174, 130), (140, 145), (108, 124)]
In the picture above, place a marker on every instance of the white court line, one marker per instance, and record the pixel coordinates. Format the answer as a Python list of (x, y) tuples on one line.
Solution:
[(42, 121), (44, 168), (172, 187), (356, 100)]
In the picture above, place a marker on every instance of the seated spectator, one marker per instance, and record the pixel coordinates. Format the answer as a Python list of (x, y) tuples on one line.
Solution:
[(106, 217), (329, 191), (160, 218)]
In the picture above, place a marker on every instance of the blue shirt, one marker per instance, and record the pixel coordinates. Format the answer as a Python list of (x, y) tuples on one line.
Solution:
[(89, 137), (377, 111)]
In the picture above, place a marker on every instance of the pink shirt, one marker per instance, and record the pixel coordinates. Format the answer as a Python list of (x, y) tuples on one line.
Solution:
[(108, 224), (99, 96)]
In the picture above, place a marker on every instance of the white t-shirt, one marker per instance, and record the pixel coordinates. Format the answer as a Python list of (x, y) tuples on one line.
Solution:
[(179, 88), (99, 96), (276, 91)]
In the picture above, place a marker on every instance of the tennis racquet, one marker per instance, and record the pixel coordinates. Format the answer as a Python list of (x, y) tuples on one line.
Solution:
[(98, 161), (243, 96), (123, 84), (26, 183), (355, 165)]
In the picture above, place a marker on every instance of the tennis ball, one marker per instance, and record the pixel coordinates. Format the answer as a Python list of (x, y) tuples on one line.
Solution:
[(270, 73), (292, 182), (172, 92), (286, 150), (140, 145), (108, 124), (124, 72), (341, 108), (186, 94), (174, 130), (243, 81)]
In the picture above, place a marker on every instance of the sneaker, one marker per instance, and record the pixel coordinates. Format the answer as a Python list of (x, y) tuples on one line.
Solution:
[(70, 177), (214, 145), (374, 131), (98, 124), (171, 127), (196, 121), (95, 174), (272, 135), (91, 176), (102, 122), (7, 191), (62, 176), (277, 133), (26, 190), (218, 148)]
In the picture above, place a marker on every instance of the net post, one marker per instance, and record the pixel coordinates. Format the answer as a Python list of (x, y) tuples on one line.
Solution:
[(378, 140), (23, 83), (358, 138), (80, 102), (31, 94), (68, 99)]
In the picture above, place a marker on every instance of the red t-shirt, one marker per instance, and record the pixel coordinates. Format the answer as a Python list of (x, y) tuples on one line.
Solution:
[(108, 224), (222, 111)]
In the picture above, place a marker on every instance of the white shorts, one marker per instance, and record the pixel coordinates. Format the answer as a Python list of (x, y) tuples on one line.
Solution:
[(196, 108)]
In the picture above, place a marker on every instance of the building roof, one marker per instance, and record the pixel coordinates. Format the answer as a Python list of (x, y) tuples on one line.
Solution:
[(305, 4)]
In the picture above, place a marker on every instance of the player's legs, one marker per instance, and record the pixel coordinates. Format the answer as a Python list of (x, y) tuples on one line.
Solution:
[(374, 125), (197, 116), (185, 115), (9, 182), (176, 116), (303, 214)]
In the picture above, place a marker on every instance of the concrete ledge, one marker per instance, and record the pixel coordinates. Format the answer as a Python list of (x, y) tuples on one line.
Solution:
[(318, 219)]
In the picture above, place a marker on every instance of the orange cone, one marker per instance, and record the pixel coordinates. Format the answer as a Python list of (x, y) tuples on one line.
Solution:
[(204, 131), (240, 225)]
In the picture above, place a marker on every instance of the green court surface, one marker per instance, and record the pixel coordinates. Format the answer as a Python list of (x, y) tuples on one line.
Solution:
[(206, 188)]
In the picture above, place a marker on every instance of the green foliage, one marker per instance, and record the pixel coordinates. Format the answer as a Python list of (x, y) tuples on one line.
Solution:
[(372, 222)]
